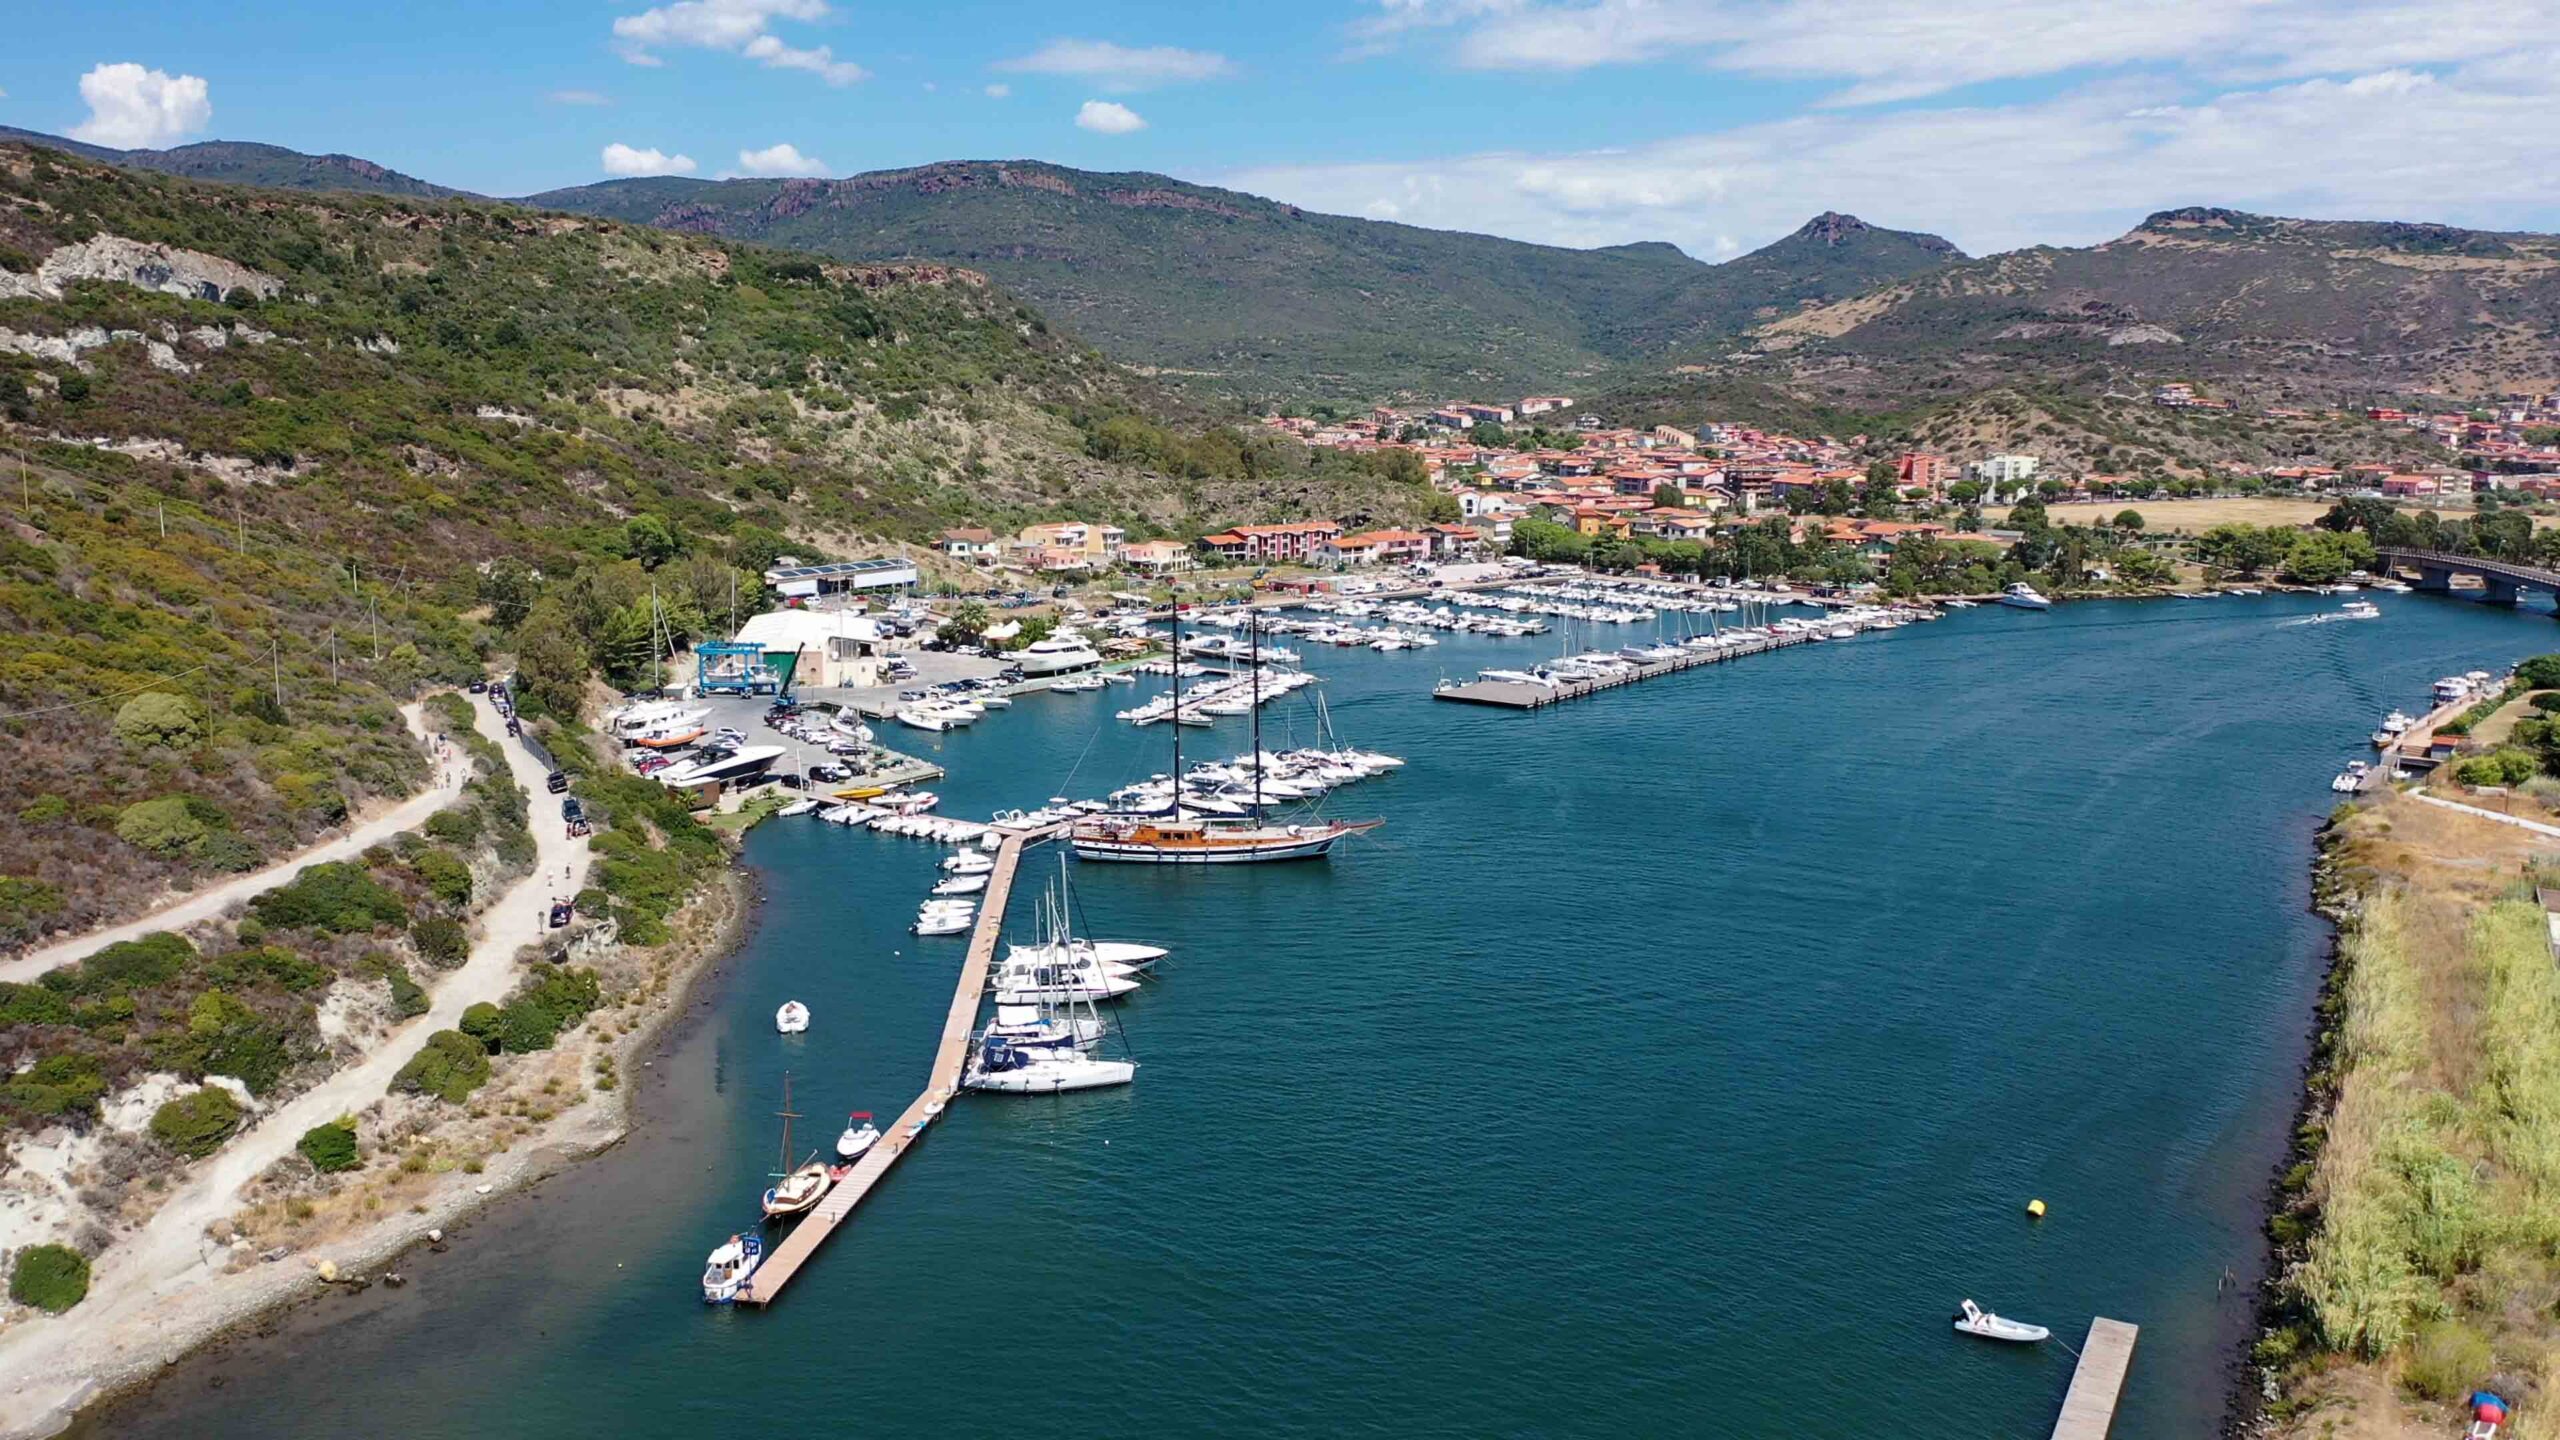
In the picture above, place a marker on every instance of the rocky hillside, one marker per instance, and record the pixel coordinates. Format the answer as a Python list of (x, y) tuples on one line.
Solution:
[(1229, 293), (243, 162), (2276, 309), (287, 457)]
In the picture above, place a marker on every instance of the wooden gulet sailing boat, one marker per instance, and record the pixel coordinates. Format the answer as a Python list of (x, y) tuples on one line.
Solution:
[(795, 1191), (1181, 840)]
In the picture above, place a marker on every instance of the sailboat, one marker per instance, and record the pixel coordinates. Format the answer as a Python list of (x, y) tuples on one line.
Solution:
[(800, 1189), (1044, 1047), (1184, 841)]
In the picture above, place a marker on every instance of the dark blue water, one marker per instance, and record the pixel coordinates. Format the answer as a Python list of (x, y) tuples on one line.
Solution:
[(1675, 1059)]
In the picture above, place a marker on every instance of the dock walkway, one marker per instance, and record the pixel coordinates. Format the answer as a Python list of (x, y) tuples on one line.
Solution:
[(765, 1285), (2089, 1407), (1513, 694)]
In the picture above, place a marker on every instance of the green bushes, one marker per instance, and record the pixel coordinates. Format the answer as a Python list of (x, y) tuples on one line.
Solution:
[(551, 1000), (441, 940), (196, 1124), (125, 966), (444, 874), (330, 1148), (31, 1005), (52, 1278), (157, 718), (408, 998), (647, 882), (2505, 766), (335, 898), (2449, 1361), (165, 826), (450, 1067), (57, 1087), (226, 1037)]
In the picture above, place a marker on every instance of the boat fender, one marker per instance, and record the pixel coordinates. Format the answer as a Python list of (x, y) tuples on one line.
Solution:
[(2035, 1209)]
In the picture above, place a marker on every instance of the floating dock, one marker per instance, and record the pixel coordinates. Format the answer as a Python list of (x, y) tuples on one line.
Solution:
[(765, 1285), (1514, 695), (2089, 1407)]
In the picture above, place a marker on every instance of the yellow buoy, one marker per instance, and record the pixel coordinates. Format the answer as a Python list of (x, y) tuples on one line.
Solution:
[(2035, 1209)]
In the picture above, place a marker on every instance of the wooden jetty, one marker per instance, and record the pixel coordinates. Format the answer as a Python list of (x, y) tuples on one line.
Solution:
[(2411, 745), (1514, 695), (2089, 1407), (765, 1285)]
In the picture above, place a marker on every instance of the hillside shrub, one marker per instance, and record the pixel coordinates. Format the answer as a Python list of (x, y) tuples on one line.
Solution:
[(2505, 766), (31, 1005), (156, 717), (450, 1067), (441, 940), (336, 898), (127, 965), (2542, 672), (196, 1124), (444, 874), (408, 997), (480, 1022), (225, 1037), (163, 826), (331, 1148), (24, 904), (57, 1087), (550, 1001), (2449, 1360), (52, 1278)]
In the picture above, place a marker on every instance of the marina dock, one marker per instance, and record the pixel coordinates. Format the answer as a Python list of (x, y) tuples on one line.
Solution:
[(765, 1285), (2089, 1407), (1516, 695), (2411, 745)]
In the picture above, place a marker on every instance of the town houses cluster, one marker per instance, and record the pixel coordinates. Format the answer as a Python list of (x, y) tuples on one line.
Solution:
[(1610, 481)]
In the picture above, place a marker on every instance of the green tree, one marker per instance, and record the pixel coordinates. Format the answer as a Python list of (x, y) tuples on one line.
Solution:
[(509, 588), (449, 1067), (331, 1148), (2129, 520), (551, 657), (165, 826), (1667, 496), (966, 623), (650, 540)]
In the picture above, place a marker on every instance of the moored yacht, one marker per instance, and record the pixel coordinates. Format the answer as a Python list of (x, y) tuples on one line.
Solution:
[(1056, 654), (2023, 596)]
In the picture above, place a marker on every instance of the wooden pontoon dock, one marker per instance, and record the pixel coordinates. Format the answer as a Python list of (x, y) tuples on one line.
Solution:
[(1515, 695), (2089, 1407), (765, 1285)]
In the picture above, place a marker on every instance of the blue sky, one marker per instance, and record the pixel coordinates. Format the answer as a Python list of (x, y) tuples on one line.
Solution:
[(1716, 124)]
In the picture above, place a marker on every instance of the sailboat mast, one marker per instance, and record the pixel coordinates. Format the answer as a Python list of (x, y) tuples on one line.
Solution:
[(788, 1115), (1177, 710), (1253, 668)]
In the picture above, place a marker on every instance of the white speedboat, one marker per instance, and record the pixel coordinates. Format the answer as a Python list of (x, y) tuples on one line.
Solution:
[(2351, 779), (944, 922), (726, 1269), (961, 885), (797, 807), (2023, 596), (792, 1018), (923, 718), (969, 862), (1972, 1319), (858, 1137), (2359, 610), (1110, 954)]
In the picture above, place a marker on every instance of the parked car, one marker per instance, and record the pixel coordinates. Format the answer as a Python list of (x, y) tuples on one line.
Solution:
[(570, 809), (479, 687), (559, 914), (556, 782)]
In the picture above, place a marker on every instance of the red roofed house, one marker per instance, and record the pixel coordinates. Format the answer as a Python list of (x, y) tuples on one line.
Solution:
[(1301, 541), (973, 544), (1381, 547)]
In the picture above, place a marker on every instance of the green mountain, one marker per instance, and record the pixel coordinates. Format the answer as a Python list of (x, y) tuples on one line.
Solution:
[(282, 464), (2276, 308), (242, 162), (1226, 292)]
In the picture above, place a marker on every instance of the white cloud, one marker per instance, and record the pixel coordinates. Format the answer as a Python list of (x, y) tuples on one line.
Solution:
[(621, 159), (998, 92), (737, 27), (784, 159), (132, 108), (1120, 69), (578, 97), (2466, 146), (1105, 117), (1900, 49)]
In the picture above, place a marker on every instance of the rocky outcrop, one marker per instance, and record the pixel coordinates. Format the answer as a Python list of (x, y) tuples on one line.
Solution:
[(163, 268)]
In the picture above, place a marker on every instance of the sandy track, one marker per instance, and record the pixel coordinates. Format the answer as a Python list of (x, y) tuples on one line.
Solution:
[(409, 814), (153, 1293)]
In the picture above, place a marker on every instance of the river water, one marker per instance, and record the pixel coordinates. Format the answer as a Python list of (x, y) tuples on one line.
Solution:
[(1673, 1060)]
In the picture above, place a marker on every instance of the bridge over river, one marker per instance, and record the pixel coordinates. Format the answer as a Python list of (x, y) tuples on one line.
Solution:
[(2505, 581)]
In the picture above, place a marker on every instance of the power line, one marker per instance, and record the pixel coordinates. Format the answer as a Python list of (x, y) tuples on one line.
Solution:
[(102, 699)]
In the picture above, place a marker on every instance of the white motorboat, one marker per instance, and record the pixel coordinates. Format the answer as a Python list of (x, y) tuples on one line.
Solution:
[(1056, 654), (725, 1270), (1061, 984), (797, 807), (2351, 779), (1110, 954), (969, 862), (858, 1137), (2023, 596), (924, 718), (1972, 1319), (792, 1018), (748, 763), (943, 922), (2359, 610), (961, 885)]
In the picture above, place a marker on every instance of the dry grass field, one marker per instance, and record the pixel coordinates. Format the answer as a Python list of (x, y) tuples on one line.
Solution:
[(2196, 516)]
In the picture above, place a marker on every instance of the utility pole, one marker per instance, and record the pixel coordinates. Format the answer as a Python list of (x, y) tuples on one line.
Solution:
[(240, 545), (275, 659), (164, 520), (376, 612)]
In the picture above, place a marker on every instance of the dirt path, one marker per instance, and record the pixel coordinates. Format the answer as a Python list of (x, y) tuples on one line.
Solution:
[(157, 1285), (409, 814)]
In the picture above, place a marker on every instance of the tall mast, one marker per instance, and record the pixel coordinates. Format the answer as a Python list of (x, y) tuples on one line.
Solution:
[(1177, 708), (1253, 668), (788, 1115)]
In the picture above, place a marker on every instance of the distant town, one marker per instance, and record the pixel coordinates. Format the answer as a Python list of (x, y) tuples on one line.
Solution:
[(1540, 458)]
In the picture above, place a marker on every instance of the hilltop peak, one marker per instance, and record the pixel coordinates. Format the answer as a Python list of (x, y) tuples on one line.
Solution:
[(1834, 230)]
